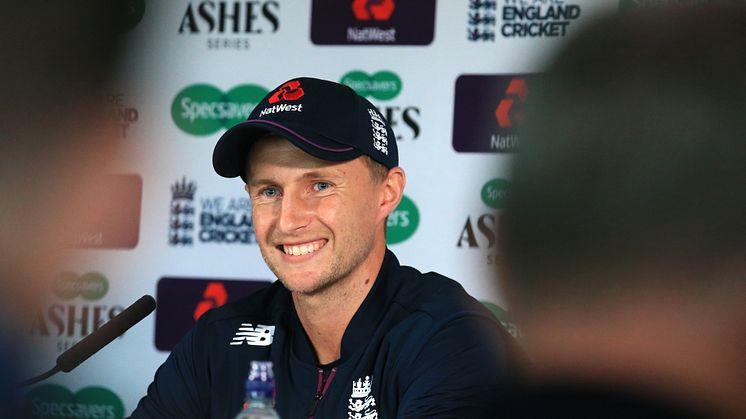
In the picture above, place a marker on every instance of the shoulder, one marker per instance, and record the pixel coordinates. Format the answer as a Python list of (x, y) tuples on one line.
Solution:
[(435, 295), (431, 308)]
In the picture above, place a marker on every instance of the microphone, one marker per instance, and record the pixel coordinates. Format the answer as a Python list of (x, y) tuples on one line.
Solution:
[(101, 337)]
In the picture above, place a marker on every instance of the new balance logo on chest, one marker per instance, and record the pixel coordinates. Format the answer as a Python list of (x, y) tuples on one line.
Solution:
[(254, 335)]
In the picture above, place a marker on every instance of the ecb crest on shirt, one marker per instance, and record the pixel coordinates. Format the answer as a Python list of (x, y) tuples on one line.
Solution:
[(361, 404)]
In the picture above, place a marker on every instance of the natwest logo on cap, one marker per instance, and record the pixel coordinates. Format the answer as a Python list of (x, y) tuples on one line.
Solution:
[(377, 10), (288, 91)]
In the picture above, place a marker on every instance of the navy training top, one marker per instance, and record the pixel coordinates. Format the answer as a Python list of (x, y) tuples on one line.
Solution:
[(418, 346)]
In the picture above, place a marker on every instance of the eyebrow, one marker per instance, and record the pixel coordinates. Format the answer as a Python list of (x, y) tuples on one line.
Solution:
[(308, 175), (260, 182)]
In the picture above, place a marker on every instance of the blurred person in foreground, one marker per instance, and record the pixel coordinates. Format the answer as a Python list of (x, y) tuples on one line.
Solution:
[(623, 244), (55, 141)]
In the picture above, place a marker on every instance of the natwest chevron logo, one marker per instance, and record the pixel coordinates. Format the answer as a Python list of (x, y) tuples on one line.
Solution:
[(288, 91), (372, 22), (214, 295), (488, 111), (506, 113), (373, 9)]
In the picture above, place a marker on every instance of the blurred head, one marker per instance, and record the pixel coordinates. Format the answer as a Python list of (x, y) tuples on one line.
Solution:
[(56, 138), (624, 236), (633, 162)]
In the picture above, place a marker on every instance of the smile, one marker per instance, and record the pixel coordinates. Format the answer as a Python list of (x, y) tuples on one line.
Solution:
[(302, 248)]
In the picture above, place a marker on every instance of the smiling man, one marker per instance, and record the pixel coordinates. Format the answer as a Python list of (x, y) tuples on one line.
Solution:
[(351, 333)]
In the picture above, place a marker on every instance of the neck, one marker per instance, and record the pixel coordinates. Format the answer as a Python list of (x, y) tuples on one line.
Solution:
[(325, 315)]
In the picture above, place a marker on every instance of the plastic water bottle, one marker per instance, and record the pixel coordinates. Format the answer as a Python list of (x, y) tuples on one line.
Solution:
[(260, 388)]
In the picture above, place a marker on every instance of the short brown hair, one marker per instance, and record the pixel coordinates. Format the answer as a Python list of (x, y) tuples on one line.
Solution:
[(378, 172)]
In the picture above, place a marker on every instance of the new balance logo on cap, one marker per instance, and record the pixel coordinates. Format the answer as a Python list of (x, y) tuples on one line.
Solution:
[(259, 335)]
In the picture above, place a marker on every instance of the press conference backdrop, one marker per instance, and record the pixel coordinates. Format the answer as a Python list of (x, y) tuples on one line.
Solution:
[(451, 76)]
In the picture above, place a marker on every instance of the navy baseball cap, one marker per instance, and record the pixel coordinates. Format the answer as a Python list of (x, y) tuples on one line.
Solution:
[(325, 119)]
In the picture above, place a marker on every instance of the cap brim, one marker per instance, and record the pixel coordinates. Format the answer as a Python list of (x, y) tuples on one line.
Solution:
[(232, 149)]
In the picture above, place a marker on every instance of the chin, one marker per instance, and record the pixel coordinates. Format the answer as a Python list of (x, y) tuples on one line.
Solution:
[(305, 284)]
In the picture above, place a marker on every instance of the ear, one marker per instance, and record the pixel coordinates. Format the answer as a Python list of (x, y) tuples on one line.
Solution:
[(246, 188), (393, 189)]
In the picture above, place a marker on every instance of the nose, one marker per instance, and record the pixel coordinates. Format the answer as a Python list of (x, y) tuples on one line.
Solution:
[(295, 212)]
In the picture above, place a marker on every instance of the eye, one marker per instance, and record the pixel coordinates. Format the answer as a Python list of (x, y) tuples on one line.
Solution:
[(320, 186), (269, 192)]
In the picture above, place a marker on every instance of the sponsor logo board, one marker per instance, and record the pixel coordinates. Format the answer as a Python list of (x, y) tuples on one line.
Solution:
[(480, 229), (372, 22), (181, 301), (52, 401), (115, 221), (515, 19), (482, 20), (203, 109), (230, 25), (79, 308), (495, 192), (122, 114), (382, 88), (402, 222), (537, 18), (208, 219), (488, 111)]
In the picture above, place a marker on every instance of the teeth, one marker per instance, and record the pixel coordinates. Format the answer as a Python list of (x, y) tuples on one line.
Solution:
[(302, 249)]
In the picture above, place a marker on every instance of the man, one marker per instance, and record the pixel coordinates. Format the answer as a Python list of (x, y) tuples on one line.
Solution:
[(625, 234), (68, 140), (351, 333)]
